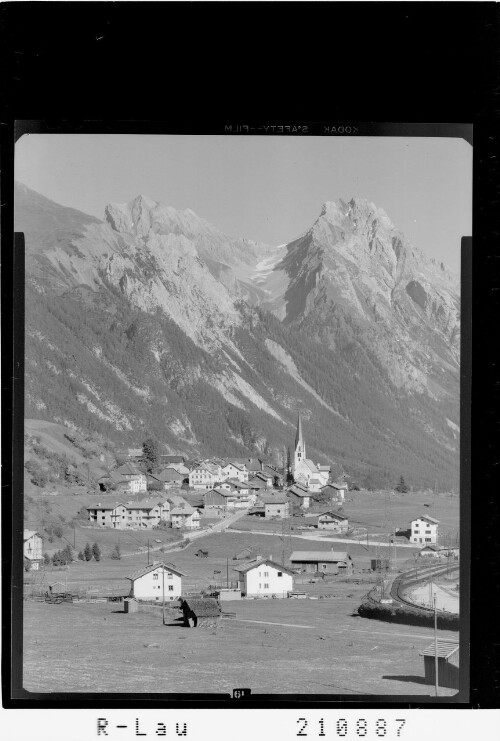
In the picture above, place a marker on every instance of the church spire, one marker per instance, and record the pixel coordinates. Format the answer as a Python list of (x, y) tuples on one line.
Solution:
[(300, 446)]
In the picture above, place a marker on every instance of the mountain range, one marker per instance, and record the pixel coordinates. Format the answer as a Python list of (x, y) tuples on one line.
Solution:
[(152, 322)]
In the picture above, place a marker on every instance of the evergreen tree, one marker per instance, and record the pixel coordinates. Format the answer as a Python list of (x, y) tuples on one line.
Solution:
[(402, 487), (115, 553), (87, 552), (289, 474), (81, 557), (96, 551), (150, 453), (46, 559), (67, 552)]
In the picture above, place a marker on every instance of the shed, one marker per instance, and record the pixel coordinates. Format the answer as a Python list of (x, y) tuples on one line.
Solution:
[(330, 562), (200, 613), (201, 553), (448, 664)]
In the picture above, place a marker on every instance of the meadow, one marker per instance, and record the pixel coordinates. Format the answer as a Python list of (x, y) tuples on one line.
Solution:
[(272, 646)]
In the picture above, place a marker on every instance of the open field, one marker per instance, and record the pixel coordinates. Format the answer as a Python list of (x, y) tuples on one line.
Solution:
[(199, 572), (369, 509), (273, 646)]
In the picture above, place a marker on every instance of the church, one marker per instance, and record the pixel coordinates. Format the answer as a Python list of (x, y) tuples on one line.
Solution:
[(304, 471)]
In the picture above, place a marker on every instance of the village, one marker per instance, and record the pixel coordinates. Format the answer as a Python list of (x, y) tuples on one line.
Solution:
[(241, 543)]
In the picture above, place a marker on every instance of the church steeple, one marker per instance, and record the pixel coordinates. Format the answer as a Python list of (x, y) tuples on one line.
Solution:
[(300, 446)]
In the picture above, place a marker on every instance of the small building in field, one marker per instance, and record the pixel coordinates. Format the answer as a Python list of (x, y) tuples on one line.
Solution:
[(275, 506), (200, 553), (333, 522), (335, 492), (200, 613), (33, 544), (152, 582), (424, 529), (129, 472), (263, 577), (327, 562), (448, 664)]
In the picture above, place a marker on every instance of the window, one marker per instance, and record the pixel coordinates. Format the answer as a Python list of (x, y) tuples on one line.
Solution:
[(428, 540), (170, 587), (155, 577), (170, 576), (266, 586), (266, 573), (280, 573)]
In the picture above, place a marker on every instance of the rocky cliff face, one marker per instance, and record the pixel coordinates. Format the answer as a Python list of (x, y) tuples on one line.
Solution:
[(155, 322), (354, 265)]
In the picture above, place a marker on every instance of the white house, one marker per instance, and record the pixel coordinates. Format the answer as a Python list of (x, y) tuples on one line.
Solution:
[(234, 471), (205, 476), (263, 577), (33, 544), (424, 530), (156, 580), (143, 514), (333, 521), (184, 516)]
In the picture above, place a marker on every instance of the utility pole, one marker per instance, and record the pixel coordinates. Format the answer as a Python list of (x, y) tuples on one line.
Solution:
[(148, 551), (436, 663), (163, 592)]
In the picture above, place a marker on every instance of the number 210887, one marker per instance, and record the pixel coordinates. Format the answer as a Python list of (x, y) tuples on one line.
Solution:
[(351, 728)]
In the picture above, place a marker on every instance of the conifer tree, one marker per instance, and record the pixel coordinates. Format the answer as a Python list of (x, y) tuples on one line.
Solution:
[(87, 552), (96, 551)]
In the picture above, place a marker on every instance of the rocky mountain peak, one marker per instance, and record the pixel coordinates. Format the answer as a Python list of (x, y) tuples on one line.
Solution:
[(143, 216)]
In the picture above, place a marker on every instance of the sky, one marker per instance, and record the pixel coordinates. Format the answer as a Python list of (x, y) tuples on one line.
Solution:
[(269, 189)]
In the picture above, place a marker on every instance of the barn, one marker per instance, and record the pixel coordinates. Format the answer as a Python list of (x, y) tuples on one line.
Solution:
[(327, 562), (200, 613)]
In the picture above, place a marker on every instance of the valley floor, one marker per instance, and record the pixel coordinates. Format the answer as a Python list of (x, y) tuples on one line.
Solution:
[(276, 646)]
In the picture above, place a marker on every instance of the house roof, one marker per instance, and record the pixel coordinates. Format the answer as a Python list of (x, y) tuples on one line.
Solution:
[(299, 490), (179, 467), (152, 567), (176, 499), (205, 607), (323, 556), (426, 518), (334, 515), (273, 499), (169, 474), (128, 469), (334, 486), (172, 458), (324, 468), (444, 649), (29, 534), (256, 562), (221, 492), (310, 464), (210, 467), (187, 510), (143, 504)]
